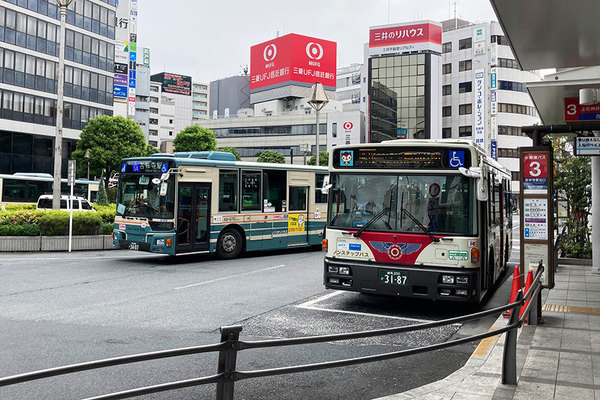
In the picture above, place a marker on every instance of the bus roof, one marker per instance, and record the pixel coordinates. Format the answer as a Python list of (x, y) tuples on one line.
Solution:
[(221, 159)]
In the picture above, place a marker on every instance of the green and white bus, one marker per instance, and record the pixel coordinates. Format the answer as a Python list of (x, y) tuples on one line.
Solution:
[(206, 202)]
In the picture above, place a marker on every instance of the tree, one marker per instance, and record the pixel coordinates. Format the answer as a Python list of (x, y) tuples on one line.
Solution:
[(323, 159), (102, 196), (195, 138), (233, 151), (572, 180), (270, 156), (109, 140)]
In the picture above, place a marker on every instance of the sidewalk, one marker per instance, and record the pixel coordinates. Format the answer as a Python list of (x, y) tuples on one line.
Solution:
[(557, 360)]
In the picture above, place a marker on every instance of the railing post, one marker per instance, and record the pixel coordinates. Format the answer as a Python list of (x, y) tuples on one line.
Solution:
[(509, 359), (534, 310), (227, 361)]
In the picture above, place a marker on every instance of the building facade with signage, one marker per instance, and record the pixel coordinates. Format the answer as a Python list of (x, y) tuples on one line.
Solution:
[(174, 104), (484, 95), (29, 46), (404, 89)]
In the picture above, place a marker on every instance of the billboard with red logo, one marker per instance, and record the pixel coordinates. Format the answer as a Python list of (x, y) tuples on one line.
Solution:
[(400, 38), (293, 59)]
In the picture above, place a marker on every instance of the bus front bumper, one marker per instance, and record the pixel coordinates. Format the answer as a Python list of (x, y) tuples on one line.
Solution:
[(416, 281)]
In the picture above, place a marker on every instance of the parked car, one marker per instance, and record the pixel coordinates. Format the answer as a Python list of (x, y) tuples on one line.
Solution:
[(79, 203)]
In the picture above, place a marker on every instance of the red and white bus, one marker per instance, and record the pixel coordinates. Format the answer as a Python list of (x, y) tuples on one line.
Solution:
[(413, 218)]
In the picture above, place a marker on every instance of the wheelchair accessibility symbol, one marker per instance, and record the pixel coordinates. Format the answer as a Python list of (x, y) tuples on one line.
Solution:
[(456, 159)]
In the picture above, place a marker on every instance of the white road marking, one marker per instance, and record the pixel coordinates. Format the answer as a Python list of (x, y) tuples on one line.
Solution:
[(228, 277), (309, 305)]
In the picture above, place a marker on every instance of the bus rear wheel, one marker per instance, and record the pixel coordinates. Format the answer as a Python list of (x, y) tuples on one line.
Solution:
[(229, 244)]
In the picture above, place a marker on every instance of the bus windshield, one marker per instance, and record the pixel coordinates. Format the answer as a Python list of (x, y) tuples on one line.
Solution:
[(434, 204), (138, 195)]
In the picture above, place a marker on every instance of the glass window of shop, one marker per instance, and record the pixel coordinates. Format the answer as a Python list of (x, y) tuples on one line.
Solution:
[(397, 96)]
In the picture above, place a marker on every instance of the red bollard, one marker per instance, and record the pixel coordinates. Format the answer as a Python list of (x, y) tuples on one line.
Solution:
[(528, 283), (516, 285)]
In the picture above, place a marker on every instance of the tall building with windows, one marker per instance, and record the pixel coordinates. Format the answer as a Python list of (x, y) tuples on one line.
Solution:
[(484, 96), (29, 38), (199, 102)]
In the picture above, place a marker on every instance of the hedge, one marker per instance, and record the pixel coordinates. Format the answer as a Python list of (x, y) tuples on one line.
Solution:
[(56, 223), (20, 230), (26, 220)]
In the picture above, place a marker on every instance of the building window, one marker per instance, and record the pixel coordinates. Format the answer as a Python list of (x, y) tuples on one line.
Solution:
[(446, 47), (465, 87), (514, 86), (508, 63), (515, 175), (446, 69), (334, 129), (465, 65), (501, 40), (517, 109), (447, 111), (510, 130), (465, 131), (464, 109), (464, 44), (446, 133), (446, 90), (508, 153)]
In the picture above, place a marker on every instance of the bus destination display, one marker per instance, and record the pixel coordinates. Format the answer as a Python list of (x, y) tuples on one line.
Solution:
[(146, 166), (415, 158)]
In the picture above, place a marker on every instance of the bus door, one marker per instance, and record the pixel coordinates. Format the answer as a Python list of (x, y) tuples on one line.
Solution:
[(193, 216), (298, 215)]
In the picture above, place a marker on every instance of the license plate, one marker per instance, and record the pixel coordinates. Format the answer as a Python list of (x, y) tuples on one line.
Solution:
[(387, 277), (134, 246)]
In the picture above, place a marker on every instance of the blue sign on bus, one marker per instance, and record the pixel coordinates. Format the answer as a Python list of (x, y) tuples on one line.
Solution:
[(456, 158)]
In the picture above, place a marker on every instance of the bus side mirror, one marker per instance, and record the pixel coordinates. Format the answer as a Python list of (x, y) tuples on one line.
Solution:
[(482, 192)]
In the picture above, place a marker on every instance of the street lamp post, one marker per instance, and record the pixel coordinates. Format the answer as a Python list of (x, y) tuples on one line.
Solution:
[(87, 158), (62, 4), (318, 101)]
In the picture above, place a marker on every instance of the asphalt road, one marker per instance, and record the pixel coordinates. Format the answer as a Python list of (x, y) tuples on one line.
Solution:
[(61, 308)]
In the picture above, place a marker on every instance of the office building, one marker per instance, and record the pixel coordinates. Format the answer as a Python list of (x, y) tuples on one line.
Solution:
[(29, 37)]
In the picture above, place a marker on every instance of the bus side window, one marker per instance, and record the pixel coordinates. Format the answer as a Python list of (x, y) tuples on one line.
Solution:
[(274, 182), (320, 198), (251, 181), (297, 198), (228, 190)]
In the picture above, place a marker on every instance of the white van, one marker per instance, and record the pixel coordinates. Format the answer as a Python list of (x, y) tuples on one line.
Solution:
[(79, 203)]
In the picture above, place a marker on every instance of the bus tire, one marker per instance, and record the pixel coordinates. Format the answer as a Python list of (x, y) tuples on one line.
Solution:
[(229, 244)]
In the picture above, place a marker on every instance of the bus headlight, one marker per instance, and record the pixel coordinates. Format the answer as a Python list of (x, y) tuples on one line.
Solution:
[(332, 269), (344, 270), (160, 242), (462, 280), (448, 279)]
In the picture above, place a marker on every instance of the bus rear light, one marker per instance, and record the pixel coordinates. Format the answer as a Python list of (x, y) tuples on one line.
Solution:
[(475, 255), (324, 244)]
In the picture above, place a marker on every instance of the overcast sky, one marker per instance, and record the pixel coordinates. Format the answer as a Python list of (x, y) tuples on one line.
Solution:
[(211, 39)]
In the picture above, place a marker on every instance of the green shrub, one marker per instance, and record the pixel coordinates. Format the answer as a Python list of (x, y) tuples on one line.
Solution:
[(18, 206), (19, 230), (107, 228), (19, 217), (56, 223), (106, 212)]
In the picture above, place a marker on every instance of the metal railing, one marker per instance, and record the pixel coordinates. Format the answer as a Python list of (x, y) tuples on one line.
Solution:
[(526, 306)]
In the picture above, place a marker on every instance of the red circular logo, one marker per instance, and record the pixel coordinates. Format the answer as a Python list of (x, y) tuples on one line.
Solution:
[(270, 52), (348, 126), (434, 190)]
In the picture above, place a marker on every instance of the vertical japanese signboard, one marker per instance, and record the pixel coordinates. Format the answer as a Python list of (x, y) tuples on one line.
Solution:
[(479, 108), (537, 222)]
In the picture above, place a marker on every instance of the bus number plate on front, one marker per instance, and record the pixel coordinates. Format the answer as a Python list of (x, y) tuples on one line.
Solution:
[(387, 277), (134, 246)]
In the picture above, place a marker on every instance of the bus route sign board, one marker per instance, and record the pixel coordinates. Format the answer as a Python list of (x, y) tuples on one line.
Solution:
[(536, 217), (587, 146), (535, 173)]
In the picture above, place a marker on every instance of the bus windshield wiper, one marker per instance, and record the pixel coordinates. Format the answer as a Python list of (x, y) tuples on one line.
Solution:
[(371, 221), (426, 230)]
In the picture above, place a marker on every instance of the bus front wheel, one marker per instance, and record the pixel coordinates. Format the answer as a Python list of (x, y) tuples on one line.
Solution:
[(229, 244)]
